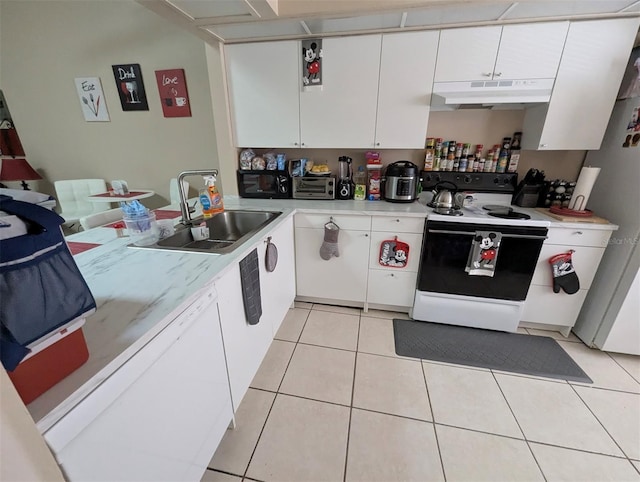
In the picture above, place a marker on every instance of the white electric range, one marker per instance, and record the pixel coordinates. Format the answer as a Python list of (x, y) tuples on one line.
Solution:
[(476, 267)]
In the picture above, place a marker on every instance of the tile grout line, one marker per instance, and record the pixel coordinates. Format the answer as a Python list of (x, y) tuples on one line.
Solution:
[(433, 418), (601, 424), (353, 389), (255, 447), (621, 366), (513, 414)]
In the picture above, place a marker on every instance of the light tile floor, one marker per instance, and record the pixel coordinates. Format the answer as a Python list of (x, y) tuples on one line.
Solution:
[(333, 402)]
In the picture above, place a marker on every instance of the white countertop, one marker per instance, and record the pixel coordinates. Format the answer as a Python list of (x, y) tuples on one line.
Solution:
[(139, 292)]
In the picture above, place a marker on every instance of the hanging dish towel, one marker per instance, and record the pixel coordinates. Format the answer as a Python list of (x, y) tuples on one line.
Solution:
[(483, 253), (250, 280)]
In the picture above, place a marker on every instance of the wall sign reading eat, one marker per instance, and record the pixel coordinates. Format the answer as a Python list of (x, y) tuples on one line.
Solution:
[(172, 88)]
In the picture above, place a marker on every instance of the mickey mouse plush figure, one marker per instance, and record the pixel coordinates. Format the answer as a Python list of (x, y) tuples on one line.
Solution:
[(487, 250), (312, 58)]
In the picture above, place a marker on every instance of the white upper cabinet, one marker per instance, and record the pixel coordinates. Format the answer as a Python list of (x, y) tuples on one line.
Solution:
[(467, 53), (263, 81), (406, 79), (593, 63), (530, 51), (525, 51), (342, 114)]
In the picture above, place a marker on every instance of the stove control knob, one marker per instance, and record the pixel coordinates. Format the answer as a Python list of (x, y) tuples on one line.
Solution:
[(427, 178), (467, 179), (496, 180)]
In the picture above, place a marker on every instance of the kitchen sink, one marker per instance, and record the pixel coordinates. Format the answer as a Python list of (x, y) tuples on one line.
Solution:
[(227, 230)]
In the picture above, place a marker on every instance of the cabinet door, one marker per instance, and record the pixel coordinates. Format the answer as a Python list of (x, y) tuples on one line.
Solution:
[(342, 114), (467, 53), (405, 87), (159, 417), (263, 81), (530, 51), (544, 306), (341, 278), (278, 287), (593, 62), (245, 345), (391, 288)]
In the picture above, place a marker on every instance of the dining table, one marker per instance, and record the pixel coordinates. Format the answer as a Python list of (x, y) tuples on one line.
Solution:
[(110, 196)]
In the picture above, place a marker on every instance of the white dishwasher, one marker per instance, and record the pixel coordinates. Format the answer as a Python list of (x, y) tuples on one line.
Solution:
[(161, 415)]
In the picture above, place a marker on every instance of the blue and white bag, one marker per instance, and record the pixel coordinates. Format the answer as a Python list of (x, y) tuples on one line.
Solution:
[(41, 287)]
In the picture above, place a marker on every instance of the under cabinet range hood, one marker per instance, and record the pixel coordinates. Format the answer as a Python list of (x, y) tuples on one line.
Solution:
[(491, 93)]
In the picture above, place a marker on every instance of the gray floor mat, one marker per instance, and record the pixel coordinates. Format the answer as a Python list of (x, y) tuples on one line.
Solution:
[(511, 352)]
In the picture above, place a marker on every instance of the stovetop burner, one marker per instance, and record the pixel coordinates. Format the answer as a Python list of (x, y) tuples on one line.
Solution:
[(509, 215), (497, 207)]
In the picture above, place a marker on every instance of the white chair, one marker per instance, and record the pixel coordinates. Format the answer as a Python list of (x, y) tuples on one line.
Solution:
[(174, 195), (72, 198), (99, 219)]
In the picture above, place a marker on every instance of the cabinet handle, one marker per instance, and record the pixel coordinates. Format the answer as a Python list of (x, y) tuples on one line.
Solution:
[(497, 74), (397, 220), (543, 145), (579, 233), (302, 143), (377, 143), (295, 143), (366, 235), (486, 74), (392, 275)]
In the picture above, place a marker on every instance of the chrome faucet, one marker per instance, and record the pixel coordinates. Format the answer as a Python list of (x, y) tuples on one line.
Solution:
[(185, 209)]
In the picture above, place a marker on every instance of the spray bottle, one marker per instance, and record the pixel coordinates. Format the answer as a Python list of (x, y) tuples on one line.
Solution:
[(210, 198)]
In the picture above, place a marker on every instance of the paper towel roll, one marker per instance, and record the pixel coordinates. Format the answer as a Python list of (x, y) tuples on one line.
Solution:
[(582, 191)]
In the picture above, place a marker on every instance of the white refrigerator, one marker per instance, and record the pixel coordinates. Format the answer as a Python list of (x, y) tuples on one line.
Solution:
[(610, 317)]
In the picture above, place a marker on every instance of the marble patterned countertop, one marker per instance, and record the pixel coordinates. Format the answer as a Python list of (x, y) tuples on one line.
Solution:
[(139, 292)]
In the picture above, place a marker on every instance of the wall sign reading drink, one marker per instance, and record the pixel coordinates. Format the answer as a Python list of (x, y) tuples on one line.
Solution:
[(172, 88), (130, 87)]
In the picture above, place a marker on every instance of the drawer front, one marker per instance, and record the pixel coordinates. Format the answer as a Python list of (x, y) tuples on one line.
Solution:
[(344, 221), (578, 237), (397, 224), (391, 288), (585, 261), (545, 306), (415, 245)]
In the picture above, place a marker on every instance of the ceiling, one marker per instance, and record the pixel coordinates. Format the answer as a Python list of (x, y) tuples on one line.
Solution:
[(234, 21)]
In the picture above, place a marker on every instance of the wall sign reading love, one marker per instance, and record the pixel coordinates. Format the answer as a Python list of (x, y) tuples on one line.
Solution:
[(172, 88)]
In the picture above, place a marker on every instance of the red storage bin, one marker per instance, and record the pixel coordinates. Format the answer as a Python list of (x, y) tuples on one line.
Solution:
[(41, 371)]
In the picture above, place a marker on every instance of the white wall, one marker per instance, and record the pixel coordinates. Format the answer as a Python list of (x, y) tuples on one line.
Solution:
[(44, 45)]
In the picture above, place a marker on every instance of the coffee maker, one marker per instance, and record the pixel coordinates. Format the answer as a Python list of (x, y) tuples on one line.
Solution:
[(345, 185)]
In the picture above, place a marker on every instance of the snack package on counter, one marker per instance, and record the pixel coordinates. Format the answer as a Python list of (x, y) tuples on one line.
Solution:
[(246, 156), (258, 163), (297, 167), (282, 162), (271, 160)]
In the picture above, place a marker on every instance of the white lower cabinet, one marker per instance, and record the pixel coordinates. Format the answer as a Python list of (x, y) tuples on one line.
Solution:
[(278, 287), (394, 288), (356, 276), (542, 305), (160, 416)]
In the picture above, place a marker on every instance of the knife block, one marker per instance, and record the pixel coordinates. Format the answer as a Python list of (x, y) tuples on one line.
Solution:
[(527, 195)]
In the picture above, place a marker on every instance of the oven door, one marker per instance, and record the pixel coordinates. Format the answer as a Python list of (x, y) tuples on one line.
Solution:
[(446, 251)]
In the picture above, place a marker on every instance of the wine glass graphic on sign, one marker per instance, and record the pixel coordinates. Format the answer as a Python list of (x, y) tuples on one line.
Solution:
[(131, 88)]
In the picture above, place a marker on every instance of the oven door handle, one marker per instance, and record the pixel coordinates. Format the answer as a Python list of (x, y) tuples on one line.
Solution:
[(472, 233)]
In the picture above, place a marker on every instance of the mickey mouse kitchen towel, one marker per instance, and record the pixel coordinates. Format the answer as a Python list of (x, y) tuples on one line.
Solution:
[(483, 253)]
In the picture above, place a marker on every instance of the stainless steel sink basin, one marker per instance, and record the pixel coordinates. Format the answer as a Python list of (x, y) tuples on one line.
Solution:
[(227, 231)]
